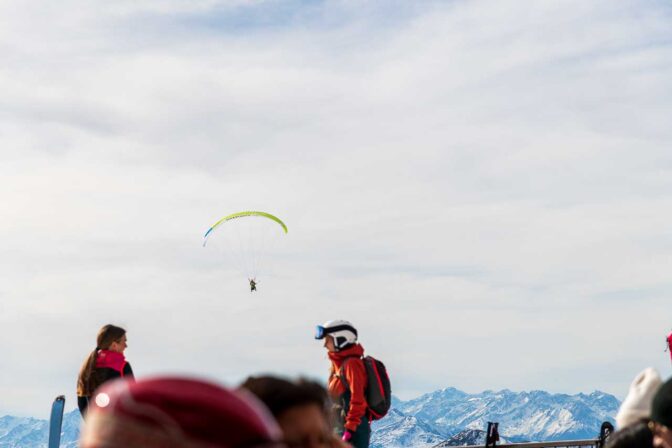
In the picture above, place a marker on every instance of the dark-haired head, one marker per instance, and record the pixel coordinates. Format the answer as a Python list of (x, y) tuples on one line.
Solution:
[(279, 394), (635, 435), (300, 408)]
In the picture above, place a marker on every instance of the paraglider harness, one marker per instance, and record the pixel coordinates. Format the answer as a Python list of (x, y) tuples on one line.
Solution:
[(378, 392)]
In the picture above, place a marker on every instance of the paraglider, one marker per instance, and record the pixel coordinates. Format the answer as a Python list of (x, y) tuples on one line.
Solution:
[(246, 238), (669, 344)]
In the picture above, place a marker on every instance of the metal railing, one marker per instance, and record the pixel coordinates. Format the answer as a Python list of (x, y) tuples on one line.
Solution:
[(558, 443), (492, 437)]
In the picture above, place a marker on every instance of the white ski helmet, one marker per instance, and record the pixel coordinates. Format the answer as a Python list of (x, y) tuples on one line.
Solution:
[(343, 332)]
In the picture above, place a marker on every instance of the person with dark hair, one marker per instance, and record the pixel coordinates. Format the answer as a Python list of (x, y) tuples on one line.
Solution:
[(634, 435), (300, 408), (347, 381), (661, 416), (177, 412), (104, 363)]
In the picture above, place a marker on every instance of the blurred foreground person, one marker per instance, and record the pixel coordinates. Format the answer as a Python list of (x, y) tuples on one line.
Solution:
[(632, 420), (635, 435), (106, 362), (170, 412), (347, 380), (661, 416), (300, 409), (637, 404)]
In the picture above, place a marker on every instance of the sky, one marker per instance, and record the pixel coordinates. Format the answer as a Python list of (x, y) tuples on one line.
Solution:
[(484, 188)]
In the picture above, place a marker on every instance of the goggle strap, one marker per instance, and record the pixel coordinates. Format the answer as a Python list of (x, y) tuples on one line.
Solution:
[(339, 328)]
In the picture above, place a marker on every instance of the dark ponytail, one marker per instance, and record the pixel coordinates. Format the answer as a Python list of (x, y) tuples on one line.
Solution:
[(86, 383)]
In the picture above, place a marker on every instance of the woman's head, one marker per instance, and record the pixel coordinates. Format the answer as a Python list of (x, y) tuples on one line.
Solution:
[(111, 337)]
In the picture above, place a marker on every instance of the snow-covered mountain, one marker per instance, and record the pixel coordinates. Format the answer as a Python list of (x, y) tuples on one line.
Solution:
[(398, 429), (443, 418), (16, 432), (468, 437), (524, 416)]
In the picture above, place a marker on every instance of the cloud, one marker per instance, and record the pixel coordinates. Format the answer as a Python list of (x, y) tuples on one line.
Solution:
[(482, 187)]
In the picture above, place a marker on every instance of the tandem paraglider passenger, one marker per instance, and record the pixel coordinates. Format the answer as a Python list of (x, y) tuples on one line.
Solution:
[(106, 362)]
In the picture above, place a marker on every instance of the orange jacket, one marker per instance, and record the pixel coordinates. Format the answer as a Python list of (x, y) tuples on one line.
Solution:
[(355, 375)]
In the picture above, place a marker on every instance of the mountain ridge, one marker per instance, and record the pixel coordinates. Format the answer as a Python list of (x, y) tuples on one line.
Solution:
[(522, 416), (445, 417)]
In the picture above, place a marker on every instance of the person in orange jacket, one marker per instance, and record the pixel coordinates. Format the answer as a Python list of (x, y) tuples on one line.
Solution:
[(347, 381)]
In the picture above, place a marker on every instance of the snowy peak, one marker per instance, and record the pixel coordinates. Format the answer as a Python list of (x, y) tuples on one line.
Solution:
[(29, 432), (465, 438), (398, 429), (21, 431), (524, 416)]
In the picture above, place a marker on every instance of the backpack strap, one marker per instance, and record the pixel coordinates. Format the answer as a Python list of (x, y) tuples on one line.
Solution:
[(344, 381), (341, 372)]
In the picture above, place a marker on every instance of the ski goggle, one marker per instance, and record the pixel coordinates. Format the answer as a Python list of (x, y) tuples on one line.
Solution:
[(320, 332)]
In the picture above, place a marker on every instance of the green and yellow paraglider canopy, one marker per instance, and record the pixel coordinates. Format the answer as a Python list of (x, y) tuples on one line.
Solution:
[(242, 215)]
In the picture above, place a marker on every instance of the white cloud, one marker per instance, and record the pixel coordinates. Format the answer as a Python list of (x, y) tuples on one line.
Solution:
[(483, 187)]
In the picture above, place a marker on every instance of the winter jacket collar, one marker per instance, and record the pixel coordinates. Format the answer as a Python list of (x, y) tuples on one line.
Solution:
[(337, 358), (111, 360)]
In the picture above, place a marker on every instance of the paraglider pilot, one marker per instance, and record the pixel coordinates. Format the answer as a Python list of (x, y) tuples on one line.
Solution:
[(253, 285)]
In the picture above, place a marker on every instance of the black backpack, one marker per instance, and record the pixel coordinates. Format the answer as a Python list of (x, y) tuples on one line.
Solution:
[(378, 392)]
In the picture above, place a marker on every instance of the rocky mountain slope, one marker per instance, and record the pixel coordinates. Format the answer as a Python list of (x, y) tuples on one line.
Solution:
[(523, 416)]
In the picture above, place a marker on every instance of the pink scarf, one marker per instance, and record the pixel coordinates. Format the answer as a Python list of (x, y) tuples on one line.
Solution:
[(111, 360)]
